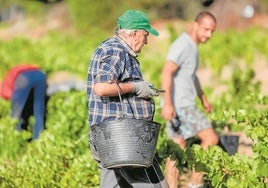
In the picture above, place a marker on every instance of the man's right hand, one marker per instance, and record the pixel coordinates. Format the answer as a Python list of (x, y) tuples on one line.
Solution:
[(144, 89), (168, 112)]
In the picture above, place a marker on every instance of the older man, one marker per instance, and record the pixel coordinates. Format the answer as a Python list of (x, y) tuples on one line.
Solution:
[(114, 65)]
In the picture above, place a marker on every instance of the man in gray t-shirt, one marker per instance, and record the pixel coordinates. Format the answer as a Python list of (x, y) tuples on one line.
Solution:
[(184, 53), (182, 87)]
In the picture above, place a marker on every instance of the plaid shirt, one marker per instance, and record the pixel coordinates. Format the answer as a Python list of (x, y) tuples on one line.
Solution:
[(115, 60)]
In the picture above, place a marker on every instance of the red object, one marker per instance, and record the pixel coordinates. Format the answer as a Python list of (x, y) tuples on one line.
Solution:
[(7, 85)]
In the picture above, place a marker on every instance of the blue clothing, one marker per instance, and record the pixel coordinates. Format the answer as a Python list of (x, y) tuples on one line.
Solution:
[(25, 82), (113, 61)]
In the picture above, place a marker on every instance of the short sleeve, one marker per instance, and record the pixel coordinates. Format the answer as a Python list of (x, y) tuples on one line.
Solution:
[(111, 65)]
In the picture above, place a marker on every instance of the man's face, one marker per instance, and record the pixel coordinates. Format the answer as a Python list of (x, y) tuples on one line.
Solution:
[(205, 29), (140, 39)]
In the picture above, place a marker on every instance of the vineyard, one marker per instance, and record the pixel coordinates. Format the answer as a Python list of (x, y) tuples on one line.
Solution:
[(61, 156)]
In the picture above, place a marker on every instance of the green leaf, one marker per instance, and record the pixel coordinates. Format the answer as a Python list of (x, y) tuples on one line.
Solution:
[(262, 169)]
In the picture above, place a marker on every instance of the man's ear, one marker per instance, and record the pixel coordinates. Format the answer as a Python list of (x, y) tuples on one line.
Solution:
[(195, 26), (134, 33)]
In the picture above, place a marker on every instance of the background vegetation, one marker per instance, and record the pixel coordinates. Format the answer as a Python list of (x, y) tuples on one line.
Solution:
[(61, 157)]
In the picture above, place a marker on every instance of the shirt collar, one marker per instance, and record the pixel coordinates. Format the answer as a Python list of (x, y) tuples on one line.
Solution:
[(126, 46)]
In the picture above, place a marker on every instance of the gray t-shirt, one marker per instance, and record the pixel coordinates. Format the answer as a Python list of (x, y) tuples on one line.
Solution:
[(184, 52)]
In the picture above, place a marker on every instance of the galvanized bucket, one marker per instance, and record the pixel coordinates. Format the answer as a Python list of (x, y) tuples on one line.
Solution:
[(126, 142)]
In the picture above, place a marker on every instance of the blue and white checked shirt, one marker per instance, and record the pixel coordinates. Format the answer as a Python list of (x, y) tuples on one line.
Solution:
[(115, 60)]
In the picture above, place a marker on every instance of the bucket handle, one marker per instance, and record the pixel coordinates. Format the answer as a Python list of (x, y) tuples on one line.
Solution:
[(120, 98)]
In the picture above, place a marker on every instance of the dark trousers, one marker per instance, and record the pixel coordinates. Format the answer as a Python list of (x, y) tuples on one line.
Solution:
[(26, 82)]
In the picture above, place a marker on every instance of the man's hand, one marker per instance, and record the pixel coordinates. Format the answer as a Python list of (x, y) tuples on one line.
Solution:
[(168, 112), (206, 104), (145, 89)]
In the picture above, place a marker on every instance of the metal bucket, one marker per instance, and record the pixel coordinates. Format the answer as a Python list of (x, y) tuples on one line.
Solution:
[(126, 142)]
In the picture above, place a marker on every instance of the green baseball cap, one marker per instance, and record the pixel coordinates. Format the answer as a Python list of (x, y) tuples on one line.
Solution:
[(135, 19)]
